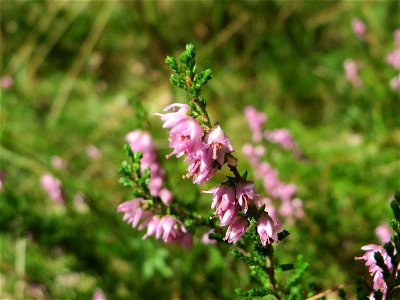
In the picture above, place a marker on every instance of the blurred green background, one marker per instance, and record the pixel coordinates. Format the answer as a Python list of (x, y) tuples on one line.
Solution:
[(85, 73)]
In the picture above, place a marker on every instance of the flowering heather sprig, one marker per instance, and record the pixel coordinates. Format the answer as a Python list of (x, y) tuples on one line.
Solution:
[(290, 206), (52, 186), (207, 148)]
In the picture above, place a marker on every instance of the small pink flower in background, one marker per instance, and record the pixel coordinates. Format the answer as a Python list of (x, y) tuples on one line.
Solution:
[(397, 37), (395, 83), (351, 69), (282, 137), (52, 186), (98, 295), (267, 229), (219, 143), (236, 230), (256, 121), (383, 232), (166, 196), (245, 193), (206, 238), (93, 152), (359, 28), (142, 141), (57, 162), (6, 82), (254, 154), (393, 59)]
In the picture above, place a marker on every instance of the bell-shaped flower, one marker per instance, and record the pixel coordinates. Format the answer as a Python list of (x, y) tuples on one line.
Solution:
[(219, 143), (224, 203), (245, 192), (267, 229), (201, 166), (236, 230)]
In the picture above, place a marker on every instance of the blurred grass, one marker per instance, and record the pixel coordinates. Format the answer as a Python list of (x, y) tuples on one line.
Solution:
[(82, 71)]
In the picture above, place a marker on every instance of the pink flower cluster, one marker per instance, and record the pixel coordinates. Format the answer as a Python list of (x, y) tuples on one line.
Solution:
[(205, 152), (351, 69), (167, 227), (393, 59), (228, 200), (52, 186), (291, 206), (142, 141), (280, 136), (375, 271), (256, 122)]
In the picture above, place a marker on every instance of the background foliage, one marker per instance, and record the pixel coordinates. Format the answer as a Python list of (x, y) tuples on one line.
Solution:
[(88, 72)]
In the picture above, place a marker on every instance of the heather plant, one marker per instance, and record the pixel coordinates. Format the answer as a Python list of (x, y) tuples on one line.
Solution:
[(241, 216)]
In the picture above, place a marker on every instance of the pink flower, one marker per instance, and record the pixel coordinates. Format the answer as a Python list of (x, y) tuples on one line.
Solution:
[(52, 186), (142, 141), (224, 203), (201, 165), (166, 196), (282, 137), (6, 82), (93, 152), (219, 143), (359, 28), (185, 138), (185, 134), (133, 212), (57, 162), (170, 230), (351, 69), (98, 295), (395, 83), (206, 238), (256, 121), (375, 271), (393, 59), (267, 229), (236, 230), (245, 193), (384, 233)]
